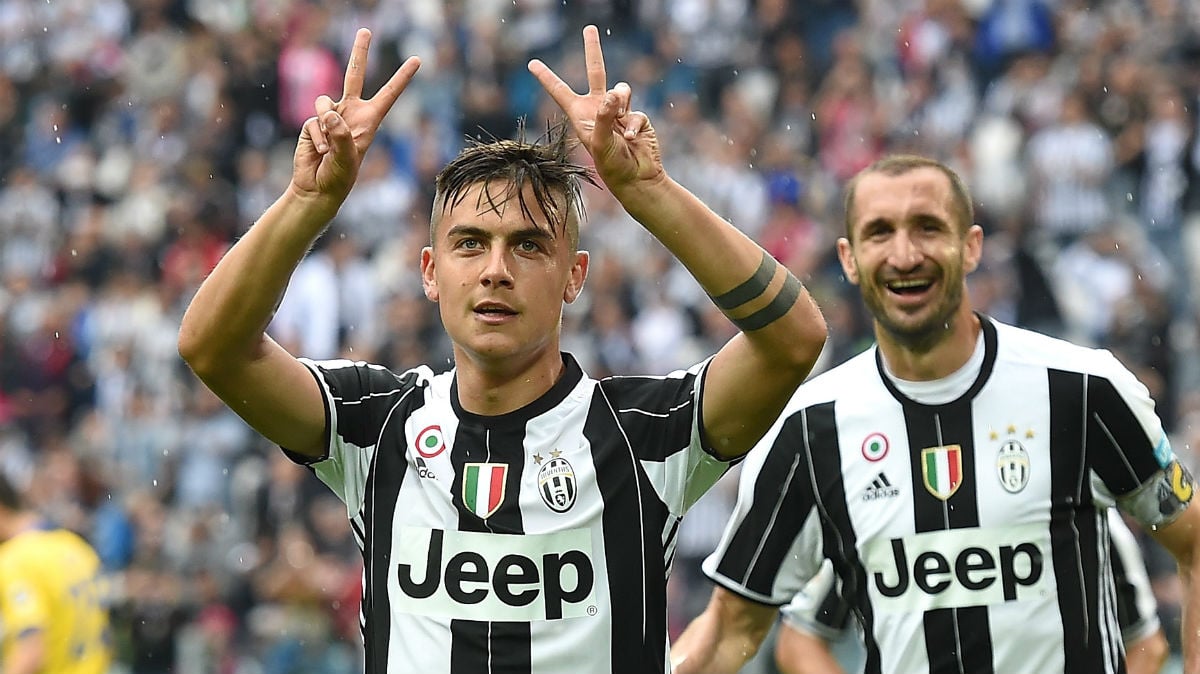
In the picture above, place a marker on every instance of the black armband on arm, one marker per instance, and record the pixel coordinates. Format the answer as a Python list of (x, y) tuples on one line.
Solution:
[(751, 288), (783, 302)]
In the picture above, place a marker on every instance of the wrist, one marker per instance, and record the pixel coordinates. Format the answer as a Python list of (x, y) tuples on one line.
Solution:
[(649, 193), (315, 205)]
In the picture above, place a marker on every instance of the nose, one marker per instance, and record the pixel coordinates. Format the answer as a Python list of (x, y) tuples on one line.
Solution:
[(497, 273), (905, 253)]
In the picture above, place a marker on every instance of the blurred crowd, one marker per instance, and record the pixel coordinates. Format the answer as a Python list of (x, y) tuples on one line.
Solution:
[(142, 136)]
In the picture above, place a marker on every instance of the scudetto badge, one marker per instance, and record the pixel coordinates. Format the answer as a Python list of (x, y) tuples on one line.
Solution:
[(556, 482), (1012, 466)]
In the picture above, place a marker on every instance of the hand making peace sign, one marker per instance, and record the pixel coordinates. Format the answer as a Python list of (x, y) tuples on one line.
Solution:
[(332, 144), (622, 143)]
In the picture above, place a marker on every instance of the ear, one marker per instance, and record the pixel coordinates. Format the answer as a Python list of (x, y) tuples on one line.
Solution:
[(846, 257), (428, 277), (972, 249), (577, 276)]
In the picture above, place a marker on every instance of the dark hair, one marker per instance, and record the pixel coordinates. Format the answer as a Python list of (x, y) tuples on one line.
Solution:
[(9, 498), (543, 165), (899, 164)]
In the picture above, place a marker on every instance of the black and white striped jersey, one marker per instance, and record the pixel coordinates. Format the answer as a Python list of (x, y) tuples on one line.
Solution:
[(821, 610), (970, 534), (533, 542)]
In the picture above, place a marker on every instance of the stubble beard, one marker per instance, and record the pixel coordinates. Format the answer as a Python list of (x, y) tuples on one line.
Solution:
[(924, 335)]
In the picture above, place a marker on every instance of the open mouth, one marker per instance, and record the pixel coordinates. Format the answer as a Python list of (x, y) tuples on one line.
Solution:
[(908, 287)]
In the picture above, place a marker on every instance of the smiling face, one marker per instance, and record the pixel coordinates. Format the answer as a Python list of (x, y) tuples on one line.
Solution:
[(500, 275), (909, 251)]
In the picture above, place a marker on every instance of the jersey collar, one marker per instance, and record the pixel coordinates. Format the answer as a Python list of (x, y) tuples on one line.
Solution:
[(985, 370), (572, 374)]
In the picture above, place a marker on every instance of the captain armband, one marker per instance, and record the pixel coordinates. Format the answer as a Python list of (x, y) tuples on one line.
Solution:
[(1158, 502), (755, 287)]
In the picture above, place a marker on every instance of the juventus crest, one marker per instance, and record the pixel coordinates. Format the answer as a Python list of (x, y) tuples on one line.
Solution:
[(556, 482)]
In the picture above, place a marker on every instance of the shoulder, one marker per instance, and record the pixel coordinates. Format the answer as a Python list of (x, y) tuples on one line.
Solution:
[(644, 388), (856, 379), (372, 376), (1021, 346)]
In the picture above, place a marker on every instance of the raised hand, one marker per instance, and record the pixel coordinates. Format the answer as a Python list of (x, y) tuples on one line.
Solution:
[(332, 143), (622, 142)]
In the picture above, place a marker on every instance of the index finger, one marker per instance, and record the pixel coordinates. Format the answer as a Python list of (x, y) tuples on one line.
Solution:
[(593, 56), (559, 91), (357, 68), (390, 91)]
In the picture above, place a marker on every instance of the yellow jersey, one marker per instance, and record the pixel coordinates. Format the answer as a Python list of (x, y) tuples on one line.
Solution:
[(50, 581)]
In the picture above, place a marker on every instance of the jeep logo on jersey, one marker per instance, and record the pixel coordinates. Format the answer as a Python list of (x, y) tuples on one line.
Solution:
[(429, 442), (957, 568), (942, 469), (495, 577), (556, 482), (483, 487), (1012, 465)]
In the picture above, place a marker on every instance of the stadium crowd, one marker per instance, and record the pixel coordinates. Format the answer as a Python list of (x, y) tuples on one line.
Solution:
[(141, 137)]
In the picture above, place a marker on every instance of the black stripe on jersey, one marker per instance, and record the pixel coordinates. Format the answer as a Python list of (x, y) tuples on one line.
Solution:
[(634, 519), (823, 487), (834, 611), (1073, 530), (379, 510), (1118, 448), (957, 640), (783, 498), (1127, 608), (478, 645), (646, 402)]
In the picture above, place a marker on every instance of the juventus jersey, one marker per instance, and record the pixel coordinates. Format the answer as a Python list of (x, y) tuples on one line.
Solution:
[(821, 610), (532, 542), (970, 536)]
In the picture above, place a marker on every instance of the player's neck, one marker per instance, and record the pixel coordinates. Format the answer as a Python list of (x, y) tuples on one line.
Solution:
[(491, 388), (938, 359)]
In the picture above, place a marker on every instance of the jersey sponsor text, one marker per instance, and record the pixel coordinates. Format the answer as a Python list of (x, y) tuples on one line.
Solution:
[(479, 576), (955, 569)]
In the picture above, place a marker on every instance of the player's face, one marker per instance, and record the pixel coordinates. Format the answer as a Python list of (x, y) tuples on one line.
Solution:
[(500, 280), (909, 255)]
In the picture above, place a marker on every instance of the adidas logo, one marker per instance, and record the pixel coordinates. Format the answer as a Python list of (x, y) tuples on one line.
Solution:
[(881, 487)]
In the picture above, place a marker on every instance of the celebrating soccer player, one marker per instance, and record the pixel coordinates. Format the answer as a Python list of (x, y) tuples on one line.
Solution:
[(956, 474), (515, 514)]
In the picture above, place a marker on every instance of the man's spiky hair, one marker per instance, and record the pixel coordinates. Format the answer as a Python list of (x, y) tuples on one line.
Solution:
[(543, 165)]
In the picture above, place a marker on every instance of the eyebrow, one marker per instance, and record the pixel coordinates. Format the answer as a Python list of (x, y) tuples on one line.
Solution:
[(479, 232)]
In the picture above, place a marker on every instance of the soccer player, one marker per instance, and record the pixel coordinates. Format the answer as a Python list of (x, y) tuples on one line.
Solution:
[(514, 514), (52, 609), (956, 474), (815, 635)]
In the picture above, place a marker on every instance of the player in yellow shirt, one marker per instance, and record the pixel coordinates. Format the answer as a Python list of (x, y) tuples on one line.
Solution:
[(52, 614)]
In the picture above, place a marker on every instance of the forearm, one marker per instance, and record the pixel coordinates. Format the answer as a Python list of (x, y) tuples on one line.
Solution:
[(722, 638), (718, 254), (228, 316), (799, 652), (777, 314), (705, 647), (1191, 620), (1146, 655)]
